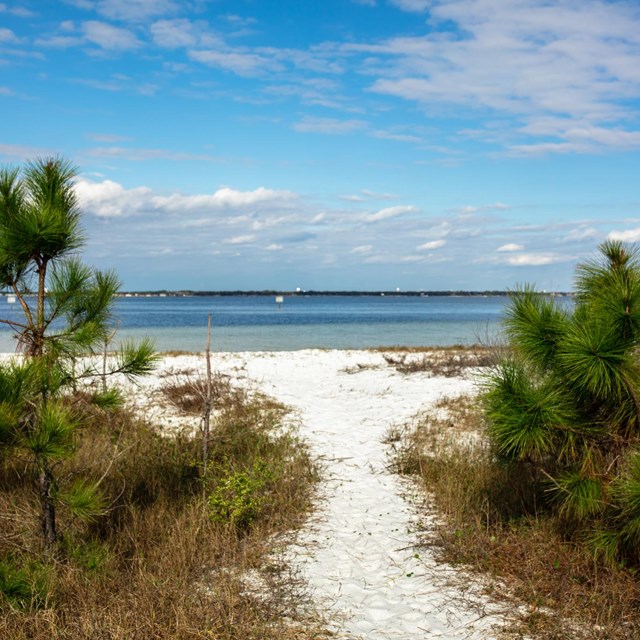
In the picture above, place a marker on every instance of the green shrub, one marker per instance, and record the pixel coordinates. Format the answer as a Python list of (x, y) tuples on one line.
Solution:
[(565, 402), (240, 496)]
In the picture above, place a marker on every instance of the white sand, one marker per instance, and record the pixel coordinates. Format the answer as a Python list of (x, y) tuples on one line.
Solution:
[(359, 552)]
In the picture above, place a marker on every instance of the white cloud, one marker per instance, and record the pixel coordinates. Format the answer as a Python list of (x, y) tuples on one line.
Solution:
[(242, 63), (247, 239), (568, 65), (534, 259), (223, 198), (510, 247), (469, 209), (94, 32), (274, 247), (629, 235), (108, 37), (389, 212), (21, 12), (108, 199), (434, 244), (328, 125), (8, 37), (580, 234), (129, 9), (174, 34), (362, 249)]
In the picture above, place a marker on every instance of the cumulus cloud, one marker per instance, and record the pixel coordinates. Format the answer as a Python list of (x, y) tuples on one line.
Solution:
[(510, 247), (223, 198), (629, 235), (108, 199)]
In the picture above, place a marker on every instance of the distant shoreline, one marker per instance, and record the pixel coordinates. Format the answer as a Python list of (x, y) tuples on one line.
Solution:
[(312, 293)]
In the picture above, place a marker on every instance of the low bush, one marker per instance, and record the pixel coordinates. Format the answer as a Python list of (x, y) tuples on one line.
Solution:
[(155, 564), (496, 521)]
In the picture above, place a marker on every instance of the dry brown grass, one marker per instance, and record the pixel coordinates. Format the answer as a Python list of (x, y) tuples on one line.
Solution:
[(156, 565), (447, 363), (187, 391), (495, 523)]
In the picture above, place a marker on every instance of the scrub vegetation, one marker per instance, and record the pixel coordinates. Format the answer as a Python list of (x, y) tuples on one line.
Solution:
[(539, 477), (111, 529)]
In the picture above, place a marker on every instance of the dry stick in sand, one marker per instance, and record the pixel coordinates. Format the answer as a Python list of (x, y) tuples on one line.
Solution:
[(206, 417)]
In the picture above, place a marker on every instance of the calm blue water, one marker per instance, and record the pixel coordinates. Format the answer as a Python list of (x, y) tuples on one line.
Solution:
[(257, 323)]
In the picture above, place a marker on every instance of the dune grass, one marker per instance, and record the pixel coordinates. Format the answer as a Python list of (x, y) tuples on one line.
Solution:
[(495, 524), (161, 562)]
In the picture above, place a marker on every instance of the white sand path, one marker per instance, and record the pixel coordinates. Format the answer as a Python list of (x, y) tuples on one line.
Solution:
[(359, 552)]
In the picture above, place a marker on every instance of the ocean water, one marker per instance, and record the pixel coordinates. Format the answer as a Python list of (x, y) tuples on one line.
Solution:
[(257, 323)]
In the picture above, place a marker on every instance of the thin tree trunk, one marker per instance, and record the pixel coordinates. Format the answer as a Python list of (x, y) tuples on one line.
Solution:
[(206, 418), (48, 515), (38, 345)]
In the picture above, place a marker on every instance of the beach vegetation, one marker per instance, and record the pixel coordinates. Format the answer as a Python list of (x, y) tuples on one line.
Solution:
[(565, 402), (66, 313), (155, 563), (538, 476), (495, 522), (106, 527)]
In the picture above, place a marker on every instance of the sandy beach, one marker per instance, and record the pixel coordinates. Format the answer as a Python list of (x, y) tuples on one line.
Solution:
[(359, 552)]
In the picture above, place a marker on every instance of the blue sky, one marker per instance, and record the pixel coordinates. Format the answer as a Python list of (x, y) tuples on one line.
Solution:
[(335, 144)]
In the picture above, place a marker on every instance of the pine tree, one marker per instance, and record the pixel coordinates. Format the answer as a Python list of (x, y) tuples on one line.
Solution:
[(67, 317), (566, 399)]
